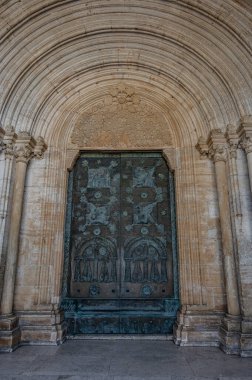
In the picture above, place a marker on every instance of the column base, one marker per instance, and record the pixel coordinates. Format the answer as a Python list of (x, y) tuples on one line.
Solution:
[(42, 327), (197, 328), (246, 337), (230, 334), (10, 334)]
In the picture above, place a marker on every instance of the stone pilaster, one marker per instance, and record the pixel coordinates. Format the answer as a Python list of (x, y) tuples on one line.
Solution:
[(24, 149), (216, 148)]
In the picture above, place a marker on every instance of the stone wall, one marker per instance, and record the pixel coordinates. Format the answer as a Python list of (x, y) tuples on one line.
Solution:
[(110, 76)]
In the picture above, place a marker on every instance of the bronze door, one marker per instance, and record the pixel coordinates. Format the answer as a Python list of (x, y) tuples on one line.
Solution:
[(120, 256)]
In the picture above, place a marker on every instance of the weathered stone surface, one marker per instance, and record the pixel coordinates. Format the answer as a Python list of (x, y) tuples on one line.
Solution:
[(135, 75)]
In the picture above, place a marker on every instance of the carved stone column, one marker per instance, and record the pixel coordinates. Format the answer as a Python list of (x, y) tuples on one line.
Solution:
[(8, 141), (216, 149), (245, 133), (217, 145), (24, 149)]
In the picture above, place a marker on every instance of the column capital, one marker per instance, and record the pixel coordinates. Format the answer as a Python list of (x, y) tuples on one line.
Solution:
[(232, 139), (214, 147), (245, 133), (217, 145), (24, 147), (40, 148), (9, 141), (202, 147)]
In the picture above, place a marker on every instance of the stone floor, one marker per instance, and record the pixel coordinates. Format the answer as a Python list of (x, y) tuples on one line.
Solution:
[(122, 360)]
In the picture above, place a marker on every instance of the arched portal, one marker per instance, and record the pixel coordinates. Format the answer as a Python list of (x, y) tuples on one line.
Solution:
[(137, 76)]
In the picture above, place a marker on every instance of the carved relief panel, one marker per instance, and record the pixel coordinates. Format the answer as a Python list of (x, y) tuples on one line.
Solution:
[(121, 119)]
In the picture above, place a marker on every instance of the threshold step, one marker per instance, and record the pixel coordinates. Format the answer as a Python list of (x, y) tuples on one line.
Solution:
[(121, 337)]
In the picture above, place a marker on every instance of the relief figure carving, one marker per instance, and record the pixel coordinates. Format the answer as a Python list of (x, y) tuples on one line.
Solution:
[(143, 177), (95, 261), (143, 213), (145, 261)]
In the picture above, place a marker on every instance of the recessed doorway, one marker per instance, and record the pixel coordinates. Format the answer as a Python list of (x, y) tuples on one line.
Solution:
[(120, 272)]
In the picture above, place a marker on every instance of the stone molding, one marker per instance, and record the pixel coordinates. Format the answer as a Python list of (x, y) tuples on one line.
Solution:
[(170, 157)]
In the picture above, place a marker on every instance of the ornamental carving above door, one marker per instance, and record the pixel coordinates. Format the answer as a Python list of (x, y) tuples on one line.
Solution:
[(120, 253)]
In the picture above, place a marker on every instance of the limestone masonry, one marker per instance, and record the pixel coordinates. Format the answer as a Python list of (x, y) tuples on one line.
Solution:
[(85, 76)]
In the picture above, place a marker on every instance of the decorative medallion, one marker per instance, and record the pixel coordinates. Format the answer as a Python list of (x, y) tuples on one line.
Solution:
[(97, 231), (146, 290), (94, 290), (144, 231), (98, 195)]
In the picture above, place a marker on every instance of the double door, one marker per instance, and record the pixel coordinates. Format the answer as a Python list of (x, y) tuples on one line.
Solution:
[(120, 256)]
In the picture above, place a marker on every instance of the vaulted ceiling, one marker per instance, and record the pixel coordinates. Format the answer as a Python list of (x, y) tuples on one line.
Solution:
[(190, 59)]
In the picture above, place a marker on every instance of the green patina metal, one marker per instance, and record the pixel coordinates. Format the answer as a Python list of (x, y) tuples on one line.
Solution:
[(120, 267)]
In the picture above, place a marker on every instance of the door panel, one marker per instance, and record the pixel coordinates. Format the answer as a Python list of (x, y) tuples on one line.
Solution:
[(144, 240), (120, 272), (95, 228)]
